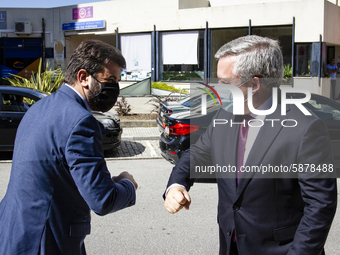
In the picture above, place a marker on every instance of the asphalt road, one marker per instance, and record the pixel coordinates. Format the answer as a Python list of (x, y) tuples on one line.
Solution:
[(147, 228)]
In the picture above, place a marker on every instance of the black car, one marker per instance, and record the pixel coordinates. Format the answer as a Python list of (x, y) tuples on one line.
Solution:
[(182, 105), (14, 102), (182, 129)]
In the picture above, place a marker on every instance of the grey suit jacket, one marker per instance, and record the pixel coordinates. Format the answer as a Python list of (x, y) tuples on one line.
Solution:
[(270, 214)]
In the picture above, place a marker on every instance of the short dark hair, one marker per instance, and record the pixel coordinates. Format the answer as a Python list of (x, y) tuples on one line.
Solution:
[(92, 55)]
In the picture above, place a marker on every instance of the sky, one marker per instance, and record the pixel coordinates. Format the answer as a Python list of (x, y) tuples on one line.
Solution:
[(42, 3)]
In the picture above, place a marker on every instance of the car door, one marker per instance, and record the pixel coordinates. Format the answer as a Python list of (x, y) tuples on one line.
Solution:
[(10, 116)]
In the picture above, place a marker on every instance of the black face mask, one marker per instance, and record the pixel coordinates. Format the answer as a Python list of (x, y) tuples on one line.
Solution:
[(106, 98)]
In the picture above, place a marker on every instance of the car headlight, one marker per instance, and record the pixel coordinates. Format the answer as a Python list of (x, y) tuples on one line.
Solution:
[(108, 124), (117, 119), (114, 117)]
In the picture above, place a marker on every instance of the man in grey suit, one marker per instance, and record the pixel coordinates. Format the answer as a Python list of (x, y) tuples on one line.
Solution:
[(261, 213), (59, 172)]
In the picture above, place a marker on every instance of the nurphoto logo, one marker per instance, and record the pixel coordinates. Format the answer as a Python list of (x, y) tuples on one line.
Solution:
[(230, 95)]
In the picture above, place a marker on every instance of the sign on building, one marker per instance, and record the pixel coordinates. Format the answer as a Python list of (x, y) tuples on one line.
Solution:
[(84, 25), (3, 20), (82, 13)]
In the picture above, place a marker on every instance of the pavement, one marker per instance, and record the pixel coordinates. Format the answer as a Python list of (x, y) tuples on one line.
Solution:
[(137, 143), (139, 138)]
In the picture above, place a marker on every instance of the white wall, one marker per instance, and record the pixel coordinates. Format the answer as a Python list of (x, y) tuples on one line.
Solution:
[(312, 84), (35, 15), (313, 17), (139, 16), (331, 24)]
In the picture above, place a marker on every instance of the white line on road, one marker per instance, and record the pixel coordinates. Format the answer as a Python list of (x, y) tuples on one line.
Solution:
[(153, 153)]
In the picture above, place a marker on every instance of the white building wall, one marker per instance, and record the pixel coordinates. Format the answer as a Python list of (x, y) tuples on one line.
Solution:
[(35, 16), (313, 17), (331, 23), (138, 16)]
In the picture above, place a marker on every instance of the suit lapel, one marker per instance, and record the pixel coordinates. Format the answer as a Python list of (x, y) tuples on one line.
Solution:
[(230, 153), (264, 140)]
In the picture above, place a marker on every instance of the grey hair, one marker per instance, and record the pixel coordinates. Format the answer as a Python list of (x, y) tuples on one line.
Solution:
[(255, 56)]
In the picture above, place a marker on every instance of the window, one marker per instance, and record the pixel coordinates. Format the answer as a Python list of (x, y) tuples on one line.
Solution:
[(136, 49), (281, 33), (182, 56), (20, 56), (15, 103), (303, 53), (221, 37), (284, 35)]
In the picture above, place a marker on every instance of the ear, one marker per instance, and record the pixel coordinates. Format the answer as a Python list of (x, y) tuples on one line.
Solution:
[(83, 78), (256, 85)]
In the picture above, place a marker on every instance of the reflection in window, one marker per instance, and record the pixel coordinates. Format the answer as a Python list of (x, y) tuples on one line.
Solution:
[(303, 59), (182, 56)]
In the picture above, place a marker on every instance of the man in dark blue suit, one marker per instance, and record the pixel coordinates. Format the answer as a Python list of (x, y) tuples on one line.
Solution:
[(261, 213), (59, 172)]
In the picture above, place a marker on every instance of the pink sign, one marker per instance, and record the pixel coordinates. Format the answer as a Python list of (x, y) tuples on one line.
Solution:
[(82, 13)]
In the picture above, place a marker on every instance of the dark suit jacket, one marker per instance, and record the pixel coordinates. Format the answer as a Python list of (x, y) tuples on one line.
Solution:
[(288, 214), (58, 175)]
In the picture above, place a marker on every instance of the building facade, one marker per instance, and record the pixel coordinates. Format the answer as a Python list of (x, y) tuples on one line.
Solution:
[(175, 40)]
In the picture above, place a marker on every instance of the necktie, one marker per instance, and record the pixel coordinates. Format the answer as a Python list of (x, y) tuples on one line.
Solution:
[(241, 146)]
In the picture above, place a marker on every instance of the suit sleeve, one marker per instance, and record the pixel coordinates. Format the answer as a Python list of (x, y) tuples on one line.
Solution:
[(84, 156), (318, 190), (198, 154)]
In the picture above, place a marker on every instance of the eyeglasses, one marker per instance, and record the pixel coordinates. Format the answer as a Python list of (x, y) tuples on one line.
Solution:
[(95, 78)]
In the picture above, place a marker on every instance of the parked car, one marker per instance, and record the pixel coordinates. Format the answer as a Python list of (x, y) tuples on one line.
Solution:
[(182, 129), (182, 105), (111, 130), (11, 113)]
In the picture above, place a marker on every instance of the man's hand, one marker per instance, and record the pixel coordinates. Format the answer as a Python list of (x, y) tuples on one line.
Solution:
[(177, 198), (125, 175)]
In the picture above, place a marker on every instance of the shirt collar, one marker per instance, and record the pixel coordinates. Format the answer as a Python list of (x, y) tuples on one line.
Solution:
[(82, 98)]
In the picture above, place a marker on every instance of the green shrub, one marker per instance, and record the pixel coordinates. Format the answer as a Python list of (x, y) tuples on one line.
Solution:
[(287, 71), (48, 81), (164, 86)]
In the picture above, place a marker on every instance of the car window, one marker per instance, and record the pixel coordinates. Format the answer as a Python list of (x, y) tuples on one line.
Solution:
[(15, 103), (194, 99), (325, 110)]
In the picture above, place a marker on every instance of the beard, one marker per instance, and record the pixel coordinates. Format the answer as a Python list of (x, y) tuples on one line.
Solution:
[(93, 91)]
